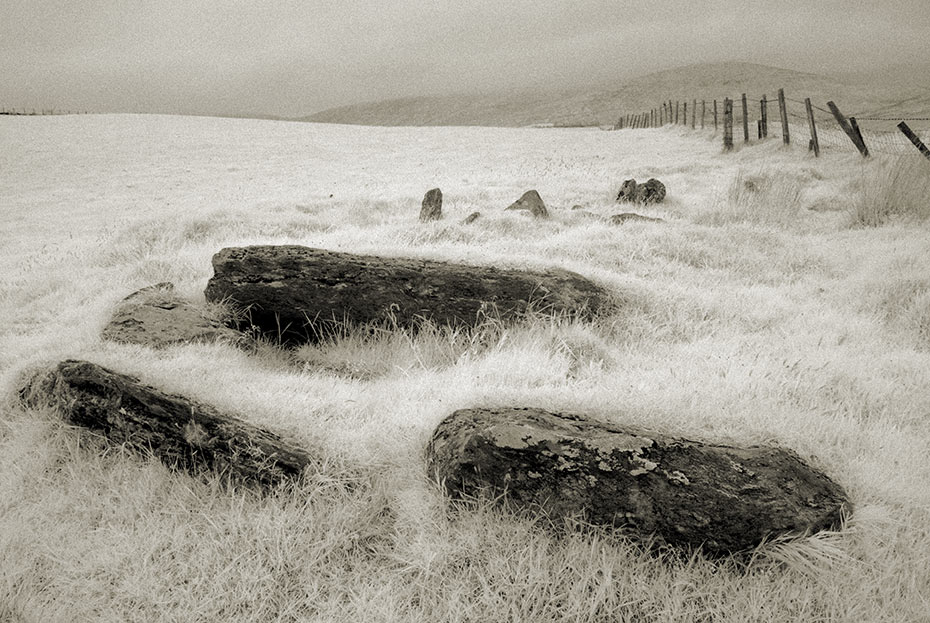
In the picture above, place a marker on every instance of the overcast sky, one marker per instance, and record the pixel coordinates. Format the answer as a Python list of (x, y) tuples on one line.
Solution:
[(295, 57)]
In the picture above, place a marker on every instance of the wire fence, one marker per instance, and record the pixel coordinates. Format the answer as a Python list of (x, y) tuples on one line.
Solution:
[(878, 128)]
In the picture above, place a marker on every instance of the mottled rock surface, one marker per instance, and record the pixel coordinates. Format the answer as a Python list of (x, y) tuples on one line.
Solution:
[(683, 493), (653, 191), (627, 191), (180, 432), (156, 316), (530, 201), (297, 294), (431, 209)]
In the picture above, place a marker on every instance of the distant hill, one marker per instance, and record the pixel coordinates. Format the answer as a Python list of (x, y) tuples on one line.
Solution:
[(604, 105)]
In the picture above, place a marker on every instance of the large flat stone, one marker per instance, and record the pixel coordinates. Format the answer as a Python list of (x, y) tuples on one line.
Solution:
[(683, 493)]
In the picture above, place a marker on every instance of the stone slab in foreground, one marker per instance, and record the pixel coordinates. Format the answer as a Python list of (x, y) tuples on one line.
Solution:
[(296, 294), (156, 316), (686, 493), (179, 431)]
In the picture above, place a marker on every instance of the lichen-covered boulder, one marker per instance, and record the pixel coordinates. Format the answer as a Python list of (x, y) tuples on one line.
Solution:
[(431, 209), (653, 191), (181, 432), (532, 202), (298, 294), (682, 493)]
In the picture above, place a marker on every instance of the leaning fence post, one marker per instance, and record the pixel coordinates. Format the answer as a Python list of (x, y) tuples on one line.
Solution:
[(763, 106), (855, 127), (745, 121), (847, 128), (810, 121), (728, 124), (906, 130), (783, 111)]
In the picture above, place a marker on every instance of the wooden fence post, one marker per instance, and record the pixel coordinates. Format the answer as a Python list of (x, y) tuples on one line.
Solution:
[(763, 106), (783, 111), (693, 112), (810, 121), (855, 127), (745, 120), (728, 124), (715, 116), (759, 128), (676, 112), (847, 128), (913, 138), (703, 112), (684, 114)]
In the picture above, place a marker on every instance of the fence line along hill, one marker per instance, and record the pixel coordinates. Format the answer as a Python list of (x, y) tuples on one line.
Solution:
[(603, 105)]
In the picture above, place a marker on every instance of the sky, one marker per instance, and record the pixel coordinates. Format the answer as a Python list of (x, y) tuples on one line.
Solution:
[(296, 57)]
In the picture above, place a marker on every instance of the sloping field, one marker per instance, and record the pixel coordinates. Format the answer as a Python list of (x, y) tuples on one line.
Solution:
[(758, 312)]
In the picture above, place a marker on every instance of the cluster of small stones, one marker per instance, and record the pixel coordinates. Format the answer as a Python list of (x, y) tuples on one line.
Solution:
[(652, 191), (714, 498), (431, 207)]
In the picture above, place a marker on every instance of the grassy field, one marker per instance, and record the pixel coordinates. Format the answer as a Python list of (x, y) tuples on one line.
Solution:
[(784, 300)]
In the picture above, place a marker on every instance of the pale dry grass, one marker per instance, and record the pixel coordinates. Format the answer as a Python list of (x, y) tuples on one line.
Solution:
[(896, 188), (784, 326)]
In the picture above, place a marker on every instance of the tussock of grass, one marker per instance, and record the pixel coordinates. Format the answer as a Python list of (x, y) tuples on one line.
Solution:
[(766, 197), (893, 189)]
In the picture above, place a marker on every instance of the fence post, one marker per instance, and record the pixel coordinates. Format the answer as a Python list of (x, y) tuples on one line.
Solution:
[(715, 116), (703, 112), (693, 112), (676, 112), (913, 138), (745, 120), (855, 127), (763, 106), (727, 124), (847, 128), (810, 120), (759, 128), (783, 111)]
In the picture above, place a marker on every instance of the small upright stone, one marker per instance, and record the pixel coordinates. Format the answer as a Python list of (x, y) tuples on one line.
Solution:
[(627, 191), (530, 201), (432, 206), (471, 218)]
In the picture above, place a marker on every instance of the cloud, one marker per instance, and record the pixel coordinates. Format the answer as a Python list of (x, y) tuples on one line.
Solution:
[(294, 57)]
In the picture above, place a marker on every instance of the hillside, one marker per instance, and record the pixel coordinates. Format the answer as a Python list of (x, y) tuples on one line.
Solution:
[(603, 105)]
